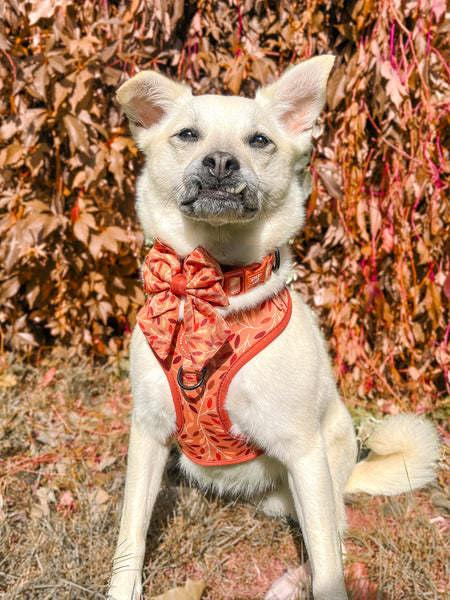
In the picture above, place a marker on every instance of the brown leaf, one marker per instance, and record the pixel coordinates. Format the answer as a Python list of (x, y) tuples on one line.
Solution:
[(395, 89), (337, 84), (41, 9), (235, 73), (192, 590), (77, 133), (82, 227), (10, 287), (12, 154), (330, 176), (446, 286), (60, 93)]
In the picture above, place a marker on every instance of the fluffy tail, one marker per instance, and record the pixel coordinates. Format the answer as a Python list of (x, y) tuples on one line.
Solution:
[(403, 454)]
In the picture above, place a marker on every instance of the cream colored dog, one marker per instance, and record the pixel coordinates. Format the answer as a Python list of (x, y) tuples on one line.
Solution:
[(256, 154)]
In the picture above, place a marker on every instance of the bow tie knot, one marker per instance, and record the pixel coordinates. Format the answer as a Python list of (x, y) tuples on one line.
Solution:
[(199, 279), (178, 284)]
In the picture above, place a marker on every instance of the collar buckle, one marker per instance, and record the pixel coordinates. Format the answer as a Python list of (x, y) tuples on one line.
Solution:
[(240, 281)]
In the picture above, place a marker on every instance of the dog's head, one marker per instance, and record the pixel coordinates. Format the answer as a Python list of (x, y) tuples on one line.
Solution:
[(215, 161)]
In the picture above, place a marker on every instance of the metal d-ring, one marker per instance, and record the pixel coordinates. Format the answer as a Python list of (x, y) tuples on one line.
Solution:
[(193, 387)]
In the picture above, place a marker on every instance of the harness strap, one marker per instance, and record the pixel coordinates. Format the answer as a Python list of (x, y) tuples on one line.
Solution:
[(203, 424)]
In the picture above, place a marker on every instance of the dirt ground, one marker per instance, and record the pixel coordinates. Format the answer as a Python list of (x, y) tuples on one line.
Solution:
[(63, 445)]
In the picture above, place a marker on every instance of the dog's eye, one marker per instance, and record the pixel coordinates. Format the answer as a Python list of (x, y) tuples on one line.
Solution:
[(188, 134), (259, 141)]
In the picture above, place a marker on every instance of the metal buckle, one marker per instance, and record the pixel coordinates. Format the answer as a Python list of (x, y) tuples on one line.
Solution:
[(230, 287), (277, 261), (250, 277), (186, 387)]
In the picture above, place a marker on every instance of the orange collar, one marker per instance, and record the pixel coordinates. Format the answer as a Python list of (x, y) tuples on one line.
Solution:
[(240, 281)]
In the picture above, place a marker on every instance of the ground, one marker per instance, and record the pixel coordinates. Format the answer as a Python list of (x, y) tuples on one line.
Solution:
[(63, 445)]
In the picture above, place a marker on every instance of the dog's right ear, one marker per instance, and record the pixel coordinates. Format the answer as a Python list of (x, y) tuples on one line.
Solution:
[(148, 97), (297, 98)]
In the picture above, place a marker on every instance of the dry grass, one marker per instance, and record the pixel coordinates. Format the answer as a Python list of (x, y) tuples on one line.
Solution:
[(374, 254), (63, 447)]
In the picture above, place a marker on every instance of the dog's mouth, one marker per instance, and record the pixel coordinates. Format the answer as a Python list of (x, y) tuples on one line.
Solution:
[(219, 204), (226, 194), (226, 191)]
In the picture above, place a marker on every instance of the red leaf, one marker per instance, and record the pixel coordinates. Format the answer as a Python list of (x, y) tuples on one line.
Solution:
[(74, 213), (49, 376), (358, 583)]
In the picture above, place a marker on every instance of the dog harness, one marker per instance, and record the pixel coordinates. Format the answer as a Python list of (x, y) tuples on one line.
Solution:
[(199, 350)]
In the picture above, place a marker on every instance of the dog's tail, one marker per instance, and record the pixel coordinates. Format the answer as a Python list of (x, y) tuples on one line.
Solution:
[(404, 451)]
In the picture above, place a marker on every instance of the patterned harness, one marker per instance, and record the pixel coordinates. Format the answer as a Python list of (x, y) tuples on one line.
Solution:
[(199, 391)]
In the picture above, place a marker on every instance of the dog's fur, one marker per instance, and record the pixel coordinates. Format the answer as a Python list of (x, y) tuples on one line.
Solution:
[(285, 398)]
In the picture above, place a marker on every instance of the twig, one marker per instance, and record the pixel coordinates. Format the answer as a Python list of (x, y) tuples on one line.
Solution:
[(81, 587), (13, 66), (441, 58), (399, 150)]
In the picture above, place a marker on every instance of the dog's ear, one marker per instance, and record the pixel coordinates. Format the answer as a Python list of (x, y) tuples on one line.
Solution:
[(148, 97), (298, 97)]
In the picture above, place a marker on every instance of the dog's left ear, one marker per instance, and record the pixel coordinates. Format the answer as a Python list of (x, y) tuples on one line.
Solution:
[(298, 97)]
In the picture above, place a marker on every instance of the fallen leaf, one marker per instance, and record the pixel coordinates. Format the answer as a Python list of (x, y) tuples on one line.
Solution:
[(358, 584), (293, 584), (67, 503), (48, 377), (8, 380), (99, 497)]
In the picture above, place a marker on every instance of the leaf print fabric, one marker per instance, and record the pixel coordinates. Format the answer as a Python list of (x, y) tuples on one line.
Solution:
[(203, 423), (194, 345), (198, 279)]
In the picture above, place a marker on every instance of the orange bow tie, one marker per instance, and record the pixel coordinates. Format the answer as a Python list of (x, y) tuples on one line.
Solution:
[(199, 279)]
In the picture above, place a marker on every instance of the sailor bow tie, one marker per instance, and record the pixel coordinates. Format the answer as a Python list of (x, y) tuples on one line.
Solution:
[(188, 289)]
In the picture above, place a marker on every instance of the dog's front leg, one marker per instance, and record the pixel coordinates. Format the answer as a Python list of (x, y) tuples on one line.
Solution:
[(146, 460), (312, 489)]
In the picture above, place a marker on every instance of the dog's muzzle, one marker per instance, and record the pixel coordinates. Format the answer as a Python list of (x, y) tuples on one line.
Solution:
[(217, 191)]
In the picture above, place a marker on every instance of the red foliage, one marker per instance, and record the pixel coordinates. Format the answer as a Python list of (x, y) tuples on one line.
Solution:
[(374, 255)]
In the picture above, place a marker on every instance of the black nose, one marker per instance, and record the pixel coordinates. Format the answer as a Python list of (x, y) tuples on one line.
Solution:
[(221, 164)]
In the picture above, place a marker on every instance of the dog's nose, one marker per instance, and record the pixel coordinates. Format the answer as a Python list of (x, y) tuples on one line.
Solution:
[(221, 164)]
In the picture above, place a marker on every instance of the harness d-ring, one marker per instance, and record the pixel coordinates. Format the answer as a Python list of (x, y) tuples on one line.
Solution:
[(193, 387)]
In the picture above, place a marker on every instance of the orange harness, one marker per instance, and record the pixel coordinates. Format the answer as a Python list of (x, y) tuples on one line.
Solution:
[(202, 351), (203, 425)]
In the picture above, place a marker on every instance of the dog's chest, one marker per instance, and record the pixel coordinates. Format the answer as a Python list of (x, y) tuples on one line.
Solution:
[(203, 425)]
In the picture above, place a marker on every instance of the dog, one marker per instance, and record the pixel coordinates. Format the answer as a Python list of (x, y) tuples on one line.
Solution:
[(225, 182)]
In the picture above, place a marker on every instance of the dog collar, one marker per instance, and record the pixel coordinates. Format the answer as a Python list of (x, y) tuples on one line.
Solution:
[(241, 281)]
